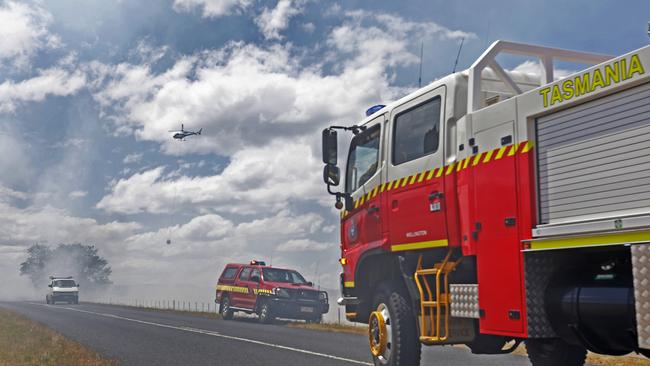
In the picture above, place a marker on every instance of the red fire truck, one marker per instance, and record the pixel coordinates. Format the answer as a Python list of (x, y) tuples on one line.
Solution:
[(493, 207)]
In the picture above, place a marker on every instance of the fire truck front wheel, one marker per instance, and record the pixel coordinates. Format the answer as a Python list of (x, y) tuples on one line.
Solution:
[(553, 352), (224, 308), (391, 328)]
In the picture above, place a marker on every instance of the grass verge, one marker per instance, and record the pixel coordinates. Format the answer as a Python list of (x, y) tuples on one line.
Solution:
[(600, 360), (25, 343)]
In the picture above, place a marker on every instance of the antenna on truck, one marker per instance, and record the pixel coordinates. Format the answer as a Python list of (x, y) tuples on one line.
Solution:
[(420, 73), (462, 40)]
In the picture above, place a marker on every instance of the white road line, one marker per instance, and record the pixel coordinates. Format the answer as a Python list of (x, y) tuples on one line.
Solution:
[(215, 334)]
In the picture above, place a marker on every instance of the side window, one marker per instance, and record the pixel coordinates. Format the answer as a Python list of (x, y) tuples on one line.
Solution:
[(244, 274), (229, 273), (362, 159), (416, 132), (255, 273)]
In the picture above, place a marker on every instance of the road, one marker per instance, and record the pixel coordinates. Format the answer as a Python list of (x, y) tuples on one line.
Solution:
[(140, 337)]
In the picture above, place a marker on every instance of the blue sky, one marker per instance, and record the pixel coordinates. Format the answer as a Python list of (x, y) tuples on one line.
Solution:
[(89, 89)]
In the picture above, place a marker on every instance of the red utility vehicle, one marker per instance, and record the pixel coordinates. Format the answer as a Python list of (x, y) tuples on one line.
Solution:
[(269, 292), (493, 207)]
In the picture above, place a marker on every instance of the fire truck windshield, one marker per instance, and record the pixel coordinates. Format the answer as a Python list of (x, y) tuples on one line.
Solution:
[(362, 160), (283, 275)]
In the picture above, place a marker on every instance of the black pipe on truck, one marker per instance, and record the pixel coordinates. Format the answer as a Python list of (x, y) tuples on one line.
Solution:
[(595, 310)]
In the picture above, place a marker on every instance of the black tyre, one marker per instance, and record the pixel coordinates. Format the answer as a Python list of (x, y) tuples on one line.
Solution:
[(266, 314), (554, 352), (391, 328), (316, 320), (225, 310)]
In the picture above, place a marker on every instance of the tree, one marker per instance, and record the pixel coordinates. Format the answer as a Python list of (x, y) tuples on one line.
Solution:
[(80, 261)]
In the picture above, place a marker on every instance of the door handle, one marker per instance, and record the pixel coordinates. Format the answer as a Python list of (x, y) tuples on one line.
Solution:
[(373, 210), (435, 195)]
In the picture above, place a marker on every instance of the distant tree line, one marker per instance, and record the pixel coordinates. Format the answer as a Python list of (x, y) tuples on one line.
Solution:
[(80, 261)]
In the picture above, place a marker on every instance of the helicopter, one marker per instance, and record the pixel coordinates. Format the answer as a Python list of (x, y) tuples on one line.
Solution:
[(182, 133)]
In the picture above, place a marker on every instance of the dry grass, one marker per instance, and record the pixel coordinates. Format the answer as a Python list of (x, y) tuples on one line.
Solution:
[(26, 343), (600, 360), (330, 327)]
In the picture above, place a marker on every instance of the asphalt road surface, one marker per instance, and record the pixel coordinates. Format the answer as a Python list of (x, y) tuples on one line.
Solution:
[(141, 337)]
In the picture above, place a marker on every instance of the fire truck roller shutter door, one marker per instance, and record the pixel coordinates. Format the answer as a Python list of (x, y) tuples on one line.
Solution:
[(593, 159)]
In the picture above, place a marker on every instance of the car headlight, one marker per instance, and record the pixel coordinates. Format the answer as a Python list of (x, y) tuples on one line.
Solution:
[(280, 292), (322, 296)]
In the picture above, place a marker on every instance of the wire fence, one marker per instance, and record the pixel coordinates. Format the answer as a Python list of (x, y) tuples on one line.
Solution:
[(194, 306), (173, 304)]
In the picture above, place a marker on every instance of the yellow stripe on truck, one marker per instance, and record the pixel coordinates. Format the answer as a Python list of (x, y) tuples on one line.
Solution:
[(419, 245), (587, 241)]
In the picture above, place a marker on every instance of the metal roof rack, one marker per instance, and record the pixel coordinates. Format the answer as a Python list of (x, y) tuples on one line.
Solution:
[(546, 56)]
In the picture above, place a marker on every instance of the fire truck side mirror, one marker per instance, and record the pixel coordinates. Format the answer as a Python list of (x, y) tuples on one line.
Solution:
[(331, 175), (330, 147)]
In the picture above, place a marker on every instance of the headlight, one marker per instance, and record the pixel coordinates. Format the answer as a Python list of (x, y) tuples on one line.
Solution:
[(280, 292), (322, 296)]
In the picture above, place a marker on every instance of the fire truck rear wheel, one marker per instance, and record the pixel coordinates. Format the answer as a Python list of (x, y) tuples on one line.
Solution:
[(553, 352), (224, 308), (265, 315), (391, 328)]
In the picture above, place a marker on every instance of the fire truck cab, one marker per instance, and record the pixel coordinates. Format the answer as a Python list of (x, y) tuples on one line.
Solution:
[(269, 292), (493, 207)]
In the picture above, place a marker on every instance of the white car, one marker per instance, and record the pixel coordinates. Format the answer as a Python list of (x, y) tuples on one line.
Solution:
[(62, 289)]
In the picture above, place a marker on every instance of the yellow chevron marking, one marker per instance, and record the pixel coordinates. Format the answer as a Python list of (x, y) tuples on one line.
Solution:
[(440, 170), (237, 289), (477, 159), (368, 195), (527, 147), (513, 150), (382, 187), (404, 181), (374, 191), (362, 200), (467, 162), (450, 168), (488, 156), (413, 179), (422, 176), (500, 153), (389, 185), (356, 203), (431, 172)]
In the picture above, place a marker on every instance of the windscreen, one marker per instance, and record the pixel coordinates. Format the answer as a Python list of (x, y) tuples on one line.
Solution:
[(363, 158), (283, 275), (64, 283)]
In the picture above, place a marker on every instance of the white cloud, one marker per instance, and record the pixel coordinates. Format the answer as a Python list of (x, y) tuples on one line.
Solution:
[(272, 21), (48, 224), (132, 158), (53, 81), (212, 8), (77, 194), (242, 95), (23, 31), (309, 27), (257, 181), (302, 245)]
